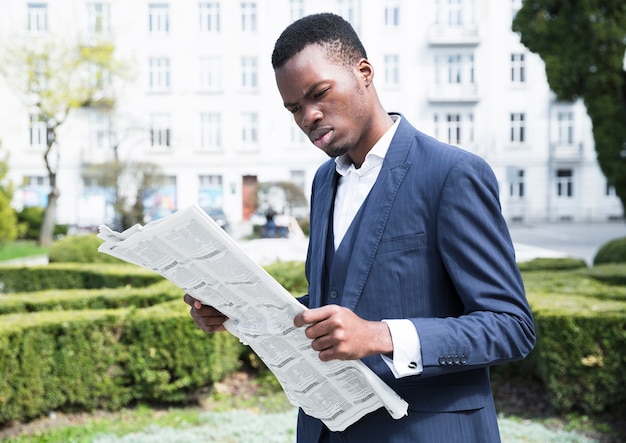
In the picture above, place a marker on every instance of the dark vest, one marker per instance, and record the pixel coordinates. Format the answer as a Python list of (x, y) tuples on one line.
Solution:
[(336, 262)]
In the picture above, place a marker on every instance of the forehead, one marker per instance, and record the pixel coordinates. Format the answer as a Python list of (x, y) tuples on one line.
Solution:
[(307, 67)]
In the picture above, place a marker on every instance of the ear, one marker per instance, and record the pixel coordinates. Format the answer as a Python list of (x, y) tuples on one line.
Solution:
[(366, 71)]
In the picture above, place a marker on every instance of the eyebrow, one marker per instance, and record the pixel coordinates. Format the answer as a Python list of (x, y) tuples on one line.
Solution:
[(306, 94)]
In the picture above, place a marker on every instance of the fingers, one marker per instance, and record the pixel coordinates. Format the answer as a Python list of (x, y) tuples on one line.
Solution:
[(205, 317), (316, 315)]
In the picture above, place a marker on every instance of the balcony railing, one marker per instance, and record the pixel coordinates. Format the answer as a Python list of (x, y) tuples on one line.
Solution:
[(571, 152), (444, 35), (453, 93)]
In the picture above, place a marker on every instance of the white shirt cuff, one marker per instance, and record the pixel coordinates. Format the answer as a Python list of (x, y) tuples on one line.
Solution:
[(407, 350)]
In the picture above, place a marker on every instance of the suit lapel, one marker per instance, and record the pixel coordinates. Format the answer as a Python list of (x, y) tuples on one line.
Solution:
[(322, 209), (376, 213)]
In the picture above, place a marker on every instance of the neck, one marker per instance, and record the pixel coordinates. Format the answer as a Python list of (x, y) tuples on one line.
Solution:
[(376, 129)]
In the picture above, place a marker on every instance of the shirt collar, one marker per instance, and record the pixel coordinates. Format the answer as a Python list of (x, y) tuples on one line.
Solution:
[(374, 157)]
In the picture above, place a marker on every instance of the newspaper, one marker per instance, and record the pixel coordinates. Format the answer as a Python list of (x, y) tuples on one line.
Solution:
[(193, 252)]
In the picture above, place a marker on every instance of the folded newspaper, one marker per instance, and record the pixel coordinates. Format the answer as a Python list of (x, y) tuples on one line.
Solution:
[(191, 250)]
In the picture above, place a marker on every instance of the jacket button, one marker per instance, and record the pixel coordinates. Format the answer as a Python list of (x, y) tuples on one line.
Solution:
[(463, 359), (442, 360), (334, 294), (457, 359), (449, 360)]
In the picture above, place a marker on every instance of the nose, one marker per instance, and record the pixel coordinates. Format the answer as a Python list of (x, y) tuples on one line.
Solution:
[(311, 116)]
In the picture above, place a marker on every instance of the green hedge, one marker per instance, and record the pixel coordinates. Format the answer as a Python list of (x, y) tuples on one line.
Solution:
[(73, 276), (80, 353), (611, 274), (82, 360), (79, 249), (80, 299), (552, 264), (613, 251), (580, 323)]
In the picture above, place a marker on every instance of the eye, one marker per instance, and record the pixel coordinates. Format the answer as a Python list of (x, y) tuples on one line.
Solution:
[(295, 109), (321, 93)]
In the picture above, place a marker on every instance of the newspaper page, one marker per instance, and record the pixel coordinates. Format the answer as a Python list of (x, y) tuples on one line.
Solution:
[(193, 252)]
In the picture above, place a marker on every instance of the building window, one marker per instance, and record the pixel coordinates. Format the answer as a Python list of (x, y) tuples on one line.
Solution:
[(210, 130), (209, 16), (454, 12), (210, 191), (517, 128), (454, 69), (249, 73), (99, 78), (38, 131), (392, 69), (40, 75), (564, 183), (516, 183), (35, 190), (565, 125), (159, 18), (248, 16), (37, 17), (392, 13), (101, 130), (518, 68), (296, 9), (453, 129), (249, 129), (159, 73), (210, 73), (99, 17), (160, 131)]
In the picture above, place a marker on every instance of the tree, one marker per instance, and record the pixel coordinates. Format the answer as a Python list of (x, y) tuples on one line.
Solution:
[(54, 79), (583, 44), (282, 196), (129, 183), (8, 218)]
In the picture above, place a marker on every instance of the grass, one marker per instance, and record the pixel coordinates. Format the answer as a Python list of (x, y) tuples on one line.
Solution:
[(21, 249), (243, 411)]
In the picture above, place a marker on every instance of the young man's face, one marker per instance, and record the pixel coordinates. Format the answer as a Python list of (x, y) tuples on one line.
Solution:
[(327, 100)]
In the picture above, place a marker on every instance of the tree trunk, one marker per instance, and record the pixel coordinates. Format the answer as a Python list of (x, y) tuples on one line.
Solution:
[(46, 233)]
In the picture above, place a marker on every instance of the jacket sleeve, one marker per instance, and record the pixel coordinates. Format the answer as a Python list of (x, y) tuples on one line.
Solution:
[(496, 324)]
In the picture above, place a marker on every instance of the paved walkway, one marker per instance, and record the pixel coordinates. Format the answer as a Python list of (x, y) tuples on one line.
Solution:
[(269, 250)]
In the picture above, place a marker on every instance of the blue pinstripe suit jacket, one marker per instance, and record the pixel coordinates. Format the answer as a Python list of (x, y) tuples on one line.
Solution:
[(434, 248)]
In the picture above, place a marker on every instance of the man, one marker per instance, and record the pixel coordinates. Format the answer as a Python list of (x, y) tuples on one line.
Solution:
[(410, 264)]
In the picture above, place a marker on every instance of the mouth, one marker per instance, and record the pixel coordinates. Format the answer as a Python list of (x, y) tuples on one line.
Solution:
[(321, 137)]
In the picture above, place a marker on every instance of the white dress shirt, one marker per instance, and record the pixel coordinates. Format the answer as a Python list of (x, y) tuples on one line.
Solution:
[(352, 190)]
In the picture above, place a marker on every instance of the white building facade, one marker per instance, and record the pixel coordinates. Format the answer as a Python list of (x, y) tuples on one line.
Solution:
[(203, 105)]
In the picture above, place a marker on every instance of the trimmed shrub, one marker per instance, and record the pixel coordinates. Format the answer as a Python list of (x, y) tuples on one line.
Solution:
[(83, 299), (580, 325), (73, 276), (613, 251), (82, 360), (552, 264), (611, 274), (290, 275), (79, 249)]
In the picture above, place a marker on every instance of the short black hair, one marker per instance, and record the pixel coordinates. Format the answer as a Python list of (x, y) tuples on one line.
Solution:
[(328, 30)]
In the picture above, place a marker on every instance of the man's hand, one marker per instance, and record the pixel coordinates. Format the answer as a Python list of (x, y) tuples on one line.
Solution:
[(206, 318), (338, 333)]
